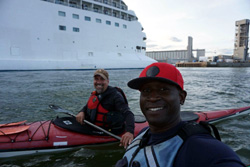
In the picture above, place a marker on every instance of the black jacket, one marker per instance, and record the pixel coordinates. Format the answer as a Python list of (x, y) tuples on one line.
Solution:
[(115, 101)]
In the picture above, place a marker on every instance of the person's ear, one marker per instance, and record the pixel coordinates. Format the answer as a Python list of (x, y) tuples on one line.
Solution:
[(183, 95)]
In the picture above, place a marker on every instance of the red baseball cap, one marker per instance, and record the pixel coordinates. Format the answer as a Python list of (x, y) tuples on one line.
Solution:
[(163, 72)]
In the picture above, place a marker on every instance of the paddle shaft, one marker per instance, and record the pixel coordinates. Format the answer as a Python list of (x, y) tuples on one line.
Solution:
[(58, 109), (103, 130)]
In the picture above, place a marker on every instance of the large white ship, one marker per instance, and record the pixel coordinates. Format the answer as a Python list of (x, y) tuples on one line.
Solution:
[(70, 34)]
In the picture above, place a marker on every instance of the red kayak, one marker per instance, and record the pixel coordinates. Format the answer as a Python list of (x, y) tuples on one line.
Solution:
[(49, 136)]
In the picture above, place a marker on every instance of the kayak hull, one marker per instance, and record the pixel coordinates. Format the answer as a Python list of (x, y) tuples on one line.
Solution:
[(45, 136), (216, 116)]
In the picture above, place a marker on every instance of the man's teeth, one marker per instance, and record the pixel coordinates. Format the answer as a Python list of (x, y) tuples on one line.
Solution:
[(155, 109)]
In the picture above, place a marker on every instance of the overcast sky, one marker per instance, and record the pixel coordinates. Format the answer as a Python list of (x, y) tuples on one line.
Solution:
[(211, 23)]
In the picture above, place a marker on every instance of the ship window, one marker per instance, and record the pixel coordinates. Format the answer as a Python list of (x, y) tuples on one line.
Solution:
[(96, 9), (125, 26), (98, 20), (90, 53), (75, 16), (138, 47), (75, 29), (117, 24), (84, 6), (61, 13), (72, 4), (108, 22), (63, 28), (87, 18)]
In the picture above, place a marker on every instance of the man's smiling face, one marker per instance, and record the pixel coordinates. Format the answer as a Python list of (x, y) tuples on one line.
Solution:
[(100, 84), (160, 103)]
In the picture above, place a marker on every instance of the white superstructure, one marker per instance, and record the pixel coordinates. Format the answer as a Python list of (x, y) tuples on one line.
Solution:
[(70, 34)]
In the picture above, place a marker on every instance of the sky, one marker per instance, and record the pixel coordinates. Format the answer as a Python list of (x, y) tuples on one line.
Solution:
[(211, 23)]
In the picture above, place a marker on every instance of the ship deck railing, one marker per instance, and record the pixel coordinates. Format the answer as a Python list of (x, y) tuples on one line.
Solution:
[(108, 12), (123, 7)]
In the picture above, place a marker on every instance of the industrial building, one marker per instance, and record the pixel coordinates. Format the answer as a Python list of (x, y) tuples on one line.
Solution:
[(241, 40), (174, 56), (181, 56)]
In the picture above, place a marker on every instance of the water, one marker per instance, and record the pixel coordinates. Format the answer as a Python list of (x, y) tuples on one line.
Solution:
[(26, 96)]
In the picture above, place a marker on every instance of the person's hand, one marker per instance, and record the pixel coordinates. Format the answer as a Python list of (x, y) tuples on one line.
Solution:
[(126, 139), (80, 117)]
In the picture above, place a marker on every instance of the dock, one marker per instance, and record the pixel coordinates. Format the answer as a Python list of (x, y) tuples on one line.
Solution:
[(191, 64), (212, 64)]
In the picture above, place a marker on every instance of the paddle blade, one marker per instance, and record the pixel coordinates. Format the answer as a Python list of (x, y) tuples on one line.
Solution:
[(12, 124), (54, 107), (13, 129), (60, 110)]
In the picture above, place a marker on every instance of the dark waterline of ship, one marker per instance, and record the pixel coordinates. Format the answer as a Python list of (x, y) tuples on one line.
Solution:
[(26, 96)]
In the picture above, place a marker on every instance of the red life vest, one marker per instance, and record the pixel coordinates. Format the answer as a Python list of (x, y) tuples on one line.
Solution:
[(98, 114)]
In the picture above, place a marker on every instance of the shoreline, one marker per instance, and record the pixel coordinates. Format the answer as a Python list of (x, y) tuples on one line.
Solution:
[(213, 64)]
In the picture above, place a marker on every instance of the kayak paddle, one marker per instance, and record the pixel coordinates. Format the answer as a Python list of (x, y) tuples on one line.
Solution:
[(60, 110)]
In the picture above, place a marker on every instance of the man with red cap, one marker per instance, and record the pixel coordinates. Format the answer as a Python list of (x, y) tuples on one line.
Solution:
[(107, 107), (169, 141)]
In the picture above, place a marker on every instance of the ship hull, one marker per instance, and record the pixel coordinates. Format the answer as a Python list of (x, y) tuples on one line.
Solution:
[(30, 38)]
